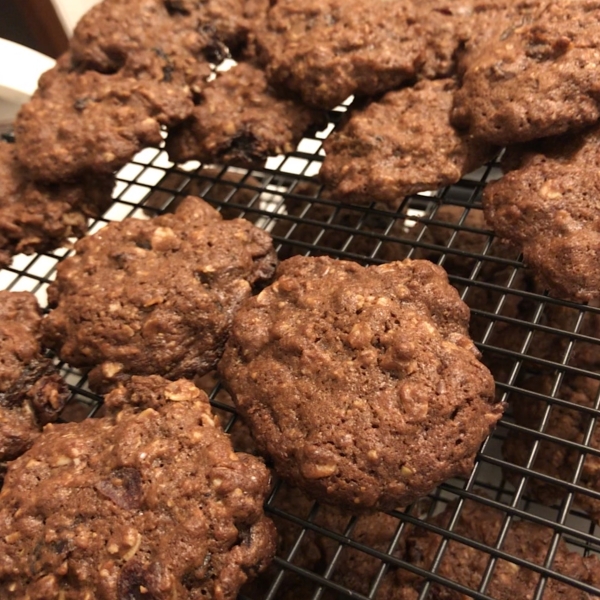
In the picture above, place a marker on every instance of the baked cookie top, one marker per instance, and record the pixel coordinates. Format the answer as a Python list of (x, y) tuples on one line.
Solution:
[(32, 393), (155, 296), (92, 123), (327, 50), (548, 207), (149, 39), (36, 217), (466, 565), (399, 145), (361, 383), (152, 502), (239, 119), (536, 77)]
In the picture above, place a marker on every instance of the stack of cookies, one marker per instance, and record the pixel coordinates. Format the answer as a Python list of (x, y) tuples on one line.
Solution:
[(360, 386)]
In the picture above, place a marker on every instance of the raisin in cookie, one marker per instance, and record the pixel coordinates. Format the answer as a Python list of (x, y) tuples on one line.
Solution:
[(239, 119), (32, 393), (547, 206), (36, 217), (360, 383), (155, 296), (399, 145), (150, 503)]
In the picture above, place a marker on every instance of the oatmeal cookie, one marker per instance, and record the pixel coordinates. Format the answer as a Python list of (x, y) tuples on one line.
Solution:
[(239, 119), (534, 78), (32, 393), (547, 206), (144, 39), (328, 50), (150, 503), (400, 145), (466, 565), (361, 383), (155, 296), (566, 422), (91, 123), (36, 217)]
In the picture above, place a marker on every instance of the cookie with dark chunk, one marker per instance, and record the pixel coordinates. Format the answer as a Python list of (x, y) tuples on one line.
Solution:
[(548, 207), (155, 296), (361, 383), (36, 217), (239, 119), (536, 77), (150, 503), (466, 565), (327, 50), (568, 422), (400, 145), (144, 39), (32, 393), (80, 123)]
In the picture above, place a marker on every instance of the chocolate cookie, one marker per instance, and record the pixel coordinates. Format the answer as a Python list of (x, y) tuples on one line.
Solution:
[(339, 370), (36, 217), (547, 206), (536, 77), (91, 123), (32, 393), (147, 39), (150, 503), (240, 120), (328, 50), (155, 296), (567, 423), (466, 565), (400, 145)]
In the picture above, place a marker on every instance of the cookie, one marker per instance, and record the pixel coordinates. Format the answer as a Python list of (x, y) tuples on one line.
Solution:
[(338, 370), (534, 78), (547, 207), (466, 565), (32, 393), (157, 296), (36, 217), (90, 123), (147, 39), (400, 145), (150, 503), (239, 119), (567, 423), (327, 51)]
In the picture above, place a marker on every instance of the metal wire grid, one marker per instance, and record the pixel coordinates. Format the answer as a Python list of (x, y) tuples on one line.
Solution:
[(285, 199)]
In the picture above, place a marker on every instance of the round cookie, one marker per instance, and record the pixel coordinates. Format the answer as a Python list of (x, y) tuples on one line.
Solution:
[(151, 503), (36, 217), (361, 383), (547, 206), (32, 393), (144, 297), (398, 145)]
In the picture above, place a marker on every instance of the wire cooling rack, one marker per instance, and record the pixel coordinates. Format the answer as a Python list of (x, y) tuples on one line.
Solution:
[(536, 346)]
